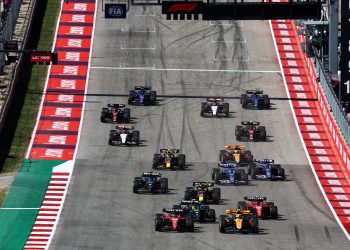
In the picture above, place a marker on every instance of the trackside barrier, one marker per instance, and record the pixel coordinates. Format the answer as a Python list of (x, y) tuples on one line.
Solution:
[(331, 109), (6, 31)]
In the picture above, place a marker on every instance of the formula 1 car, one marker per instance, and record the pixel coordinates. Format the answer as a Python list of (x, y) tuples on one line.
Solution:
[(234, 153), (174, 220), (236, 220), (257, 204), (250, 131), (228, 173), (203, 192), (169, 159), (215, 107), (255, 99), (115, 113), (198, 211), (266, 169), (124, 135), (150, 182), (142, 95)]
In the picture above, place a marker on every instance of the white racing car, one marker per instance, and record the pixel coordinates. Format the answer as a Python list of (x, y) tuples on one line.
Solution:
[(215, 107)]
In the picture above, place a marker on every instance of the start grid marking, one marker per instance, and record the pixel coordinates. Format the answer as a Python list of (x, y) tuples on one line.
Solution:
[(315, 138), (56, 134), (43, 228)]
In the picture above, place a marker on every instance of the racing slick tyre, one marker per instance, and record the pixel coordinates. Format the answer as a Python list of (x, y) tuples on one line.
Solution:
[(110, 141), (187, 195), (253, 173), (103, 117), (153, 97), (222, 224), (244, 100), (262, 135), (190, 224), (242, 205), (164, 185), (216, 195), (211, 215), (244, 177), (226, 109), (126, 115), (266, 101), (238, 132), (255, 225), (158, 223), (213, 172), (156, 160), (131, 97), (181, 161), (135, 188), (274, 212), (204, 104), (223, 157), (250, 167), (217, 178), (282, 173), (136, 137)]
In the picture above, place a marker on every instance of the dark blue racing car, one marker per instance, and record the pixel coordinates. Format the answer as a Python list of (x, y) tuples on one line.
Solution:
[(142, 95), (255, 99), (229, 173), (150, 182), (266, 169)]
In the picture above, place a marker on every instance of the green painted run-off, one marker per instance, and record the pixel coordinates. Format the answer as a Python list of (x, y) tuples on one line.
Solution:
[(27, 191)]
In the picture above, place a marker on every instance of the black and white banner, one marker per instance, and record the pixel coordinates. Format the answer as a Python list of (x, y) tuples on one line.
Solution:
[(345, 50)]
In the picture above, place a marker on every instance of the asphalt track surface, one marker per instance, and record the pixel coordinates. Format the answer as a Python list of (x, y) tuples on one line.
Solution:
[(101, 212)]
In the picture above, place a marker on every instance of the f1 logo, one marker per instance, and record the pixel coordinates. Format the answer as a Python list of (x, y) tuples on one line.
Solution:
[(182, 7)]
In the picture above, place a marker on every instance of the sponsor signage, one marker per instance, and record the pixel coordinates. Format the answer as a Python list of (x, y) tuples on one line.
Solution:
[(115, 11), (40, 57), (345, 51), (11, 45), (189, 7)]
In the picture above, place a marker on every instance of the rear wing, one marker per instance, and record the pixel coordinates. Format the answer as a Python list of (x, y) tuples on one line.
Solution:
[(256, 91), (264, 161), (203, 184), (228, 165), (255, 198), (169, 151), (148, 174), (124, 127), (250, 123), (235, 147), (143, 88), (113, 105), (189, 202), (213, 99), (173, 210), (237, 211)]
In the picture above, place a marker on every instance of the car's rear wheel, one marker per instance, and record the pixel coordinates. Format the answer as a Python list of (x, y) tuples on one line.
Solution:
[(244, 100), (158, 224), (222, 224), (181, 161), (213, 172), (164, 185)]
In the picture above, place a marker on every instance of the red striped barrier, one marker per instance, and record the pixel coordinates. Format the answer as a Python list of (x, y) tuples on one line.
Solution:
[(325, 148)]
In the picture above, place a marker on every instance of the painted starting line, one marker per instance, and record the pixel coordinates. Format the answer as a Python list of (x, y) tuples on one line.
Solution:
[(152, 68), (312, 126)]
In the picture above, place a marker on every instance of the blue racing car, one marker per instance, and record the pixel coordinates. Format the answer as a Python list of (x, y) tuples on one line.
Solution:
[(228, 173), (255, 99), (266, 169), (142, 95)]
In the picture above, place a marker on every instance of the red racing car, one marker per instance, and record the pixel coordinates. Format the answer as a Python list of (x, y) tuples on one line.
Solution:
[(257, 204), (174, 219)]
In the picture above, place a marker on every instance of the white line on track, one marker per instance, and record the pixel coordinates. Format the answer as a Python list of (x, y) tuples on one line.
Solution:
[(229, 41), (243, 59), (225, 24), (153, 14), (128, 48), (138, 31), (186, 70), (20, 208)]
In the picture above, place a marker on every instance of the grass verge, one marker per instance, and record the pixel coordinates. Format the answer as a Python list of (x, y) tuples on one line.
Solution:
[(24, 108), (3, 193)]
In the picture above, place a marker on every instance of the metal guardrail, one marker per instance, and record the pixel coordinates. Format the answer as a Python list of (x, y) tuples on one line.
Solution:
[(333, 101), (17, 69), (8, 24)]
